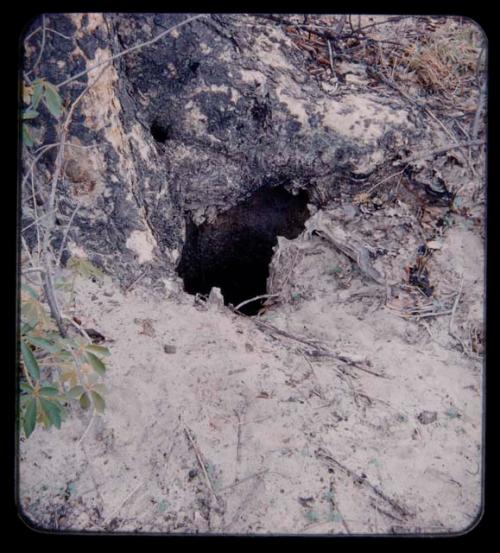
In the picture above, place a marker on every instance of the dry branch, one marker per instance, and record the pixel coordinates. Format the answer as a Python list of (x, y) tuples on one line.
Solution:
[(325, 456), (199, 458)]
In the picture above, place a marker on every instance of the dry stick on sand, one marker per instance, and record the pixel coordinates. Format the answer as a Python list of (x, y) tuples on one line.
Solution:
[(256, 475), (317, 349), (450, 327), (262, 296), (325, 456), (200, 462), (437, 151)]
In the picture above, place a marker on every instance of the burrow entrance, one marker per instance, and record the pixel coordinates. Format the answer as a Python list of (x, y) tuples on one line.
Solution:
[(233, 253)]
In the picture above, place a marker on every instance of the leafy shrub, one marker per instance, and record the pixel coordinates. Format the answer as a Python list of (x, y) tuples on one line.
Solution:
[(55, 370)]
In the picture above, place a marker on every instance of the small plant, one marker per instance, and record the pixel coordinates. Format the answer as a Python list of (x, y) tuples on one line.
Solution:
[(39, 91), (56, 370)]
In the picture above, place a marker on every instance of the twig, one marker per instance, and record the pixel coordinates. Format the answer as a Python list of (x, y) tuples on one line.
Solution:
[(256, 475), (200, 462), (79, 328), (118, 509), (33, 195), (437, 151), (386, 513), (36, 221), (477, 117), (131, 49), (58, 33), (88, 428), (135, 281), (42, 46), (48, 30), (40, 153), (92, 477), (47, 278), (331, 57), (347, 361), (318, 350), (323, 454), (48, 288), (340, 24), (394, 19), (58, 261), (238, 440), (33, 270), (376, 185), (281, 332), (450, 327), (262, 296), (27, 250)]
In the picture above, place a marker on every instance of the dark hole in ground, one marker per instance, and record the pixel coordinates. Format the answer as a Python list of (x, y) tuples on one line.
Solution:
[(161, 133), (233, 253)]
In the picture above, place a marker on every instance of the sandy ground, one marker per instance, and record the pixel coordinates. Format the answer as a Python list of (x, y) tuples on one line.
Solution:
[(384, 435), (330, 413)]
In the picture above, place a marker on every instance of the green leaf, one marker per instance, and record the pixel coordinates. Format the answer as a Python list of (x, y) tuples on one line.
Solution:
[(52, 410), (37, 94), (84, 268), (98, 350), (27, 138), (96, 363), (43, 415), (100, 388), (30, 291), (26, 328), (49, 391), (85, 401), (99, 402), (29, 361), (25, 387), (29, 114), (75, 392), (42, 343), (24, 400), (29, 418), (53, 100)]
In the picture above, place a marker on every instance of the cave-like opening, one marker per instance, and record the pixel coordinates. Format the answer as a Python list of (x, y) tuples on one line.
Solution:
[(233, 253)]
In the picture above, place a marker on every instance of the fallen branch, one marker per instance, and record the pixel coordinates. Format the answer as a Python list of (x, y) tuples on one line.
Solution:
[(450, 326), (477, 117), (199, 458), (347, 360), (256, 475), (318, 350), (437, 151), (325, 456), (135, 281), (262, 296)]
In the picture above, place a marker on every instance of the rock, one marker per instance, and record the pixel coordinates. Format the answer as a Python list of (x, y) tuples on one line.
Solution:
[(169, 348), (215, 298), (427, 417)]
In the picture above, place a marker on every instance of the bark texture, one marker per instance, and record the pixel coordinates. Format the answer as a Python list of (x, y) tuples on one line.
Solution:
[(193, 125)]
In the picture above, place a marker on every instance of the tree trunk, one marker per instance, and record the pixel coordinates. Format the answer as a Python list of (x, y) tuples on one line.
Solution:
[(193, 125)]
